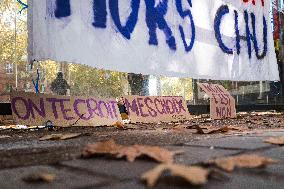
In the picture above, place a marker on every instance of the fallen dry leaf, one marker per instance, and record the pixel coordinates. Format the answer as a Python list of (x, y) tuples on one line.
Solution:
[(107, 147), (211, 131), (130, 152), (221, 130), (157, 153), (237, 128), (275, 140), (180, 128), (40, 177), (193, 174), (242, 161), (118, 124), (225, 129), (60, 136)]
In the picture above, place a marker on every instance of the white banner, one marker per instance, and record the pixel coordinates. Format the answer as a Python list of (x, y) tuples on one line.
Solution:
[(206, 39)]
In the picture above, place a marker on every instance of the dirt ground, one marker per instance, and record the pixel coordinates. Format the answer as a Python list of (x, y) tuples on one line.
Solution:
[(201, 138), (252, 121)]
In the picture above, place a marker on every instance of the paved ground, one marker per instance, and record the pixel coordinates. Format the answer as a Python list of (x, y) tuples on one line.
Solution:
[(22, 154)]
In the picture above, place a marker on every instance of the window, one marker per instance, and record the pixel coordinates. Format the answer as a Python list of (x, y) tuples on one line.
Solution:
[(9, 68)]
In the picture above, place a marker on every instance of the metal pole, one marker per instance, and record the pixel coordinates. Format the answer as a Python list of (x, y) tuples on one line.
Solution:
[(195, 91), (69, 79), (158, 82), (237, 92), (15, 47), (260, 90)]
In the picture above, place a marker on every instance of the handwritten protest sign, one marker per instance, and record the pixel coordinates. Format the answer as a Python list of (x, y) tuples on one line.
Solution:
[(156, 109), (36, 109), (222, 104), (206, 39)]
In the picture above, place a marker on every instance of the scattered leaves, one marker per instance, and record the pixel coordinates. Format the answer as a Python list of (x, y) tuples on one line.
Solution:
[(242, 161), (39, 177), (130, 152), (60, 136), (193, 174), (275, 140)]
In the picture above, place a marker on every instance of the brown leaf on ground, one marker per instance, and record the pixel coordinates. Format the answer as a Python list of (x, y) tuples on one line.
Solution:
[(60, 136), (225, 129), (130, 152), (180, 128), (237, 128), (211, 131), (159, 154), (193, 174), (221, 130), (242, 161), (40, 177), (275, 140), (118, 124)]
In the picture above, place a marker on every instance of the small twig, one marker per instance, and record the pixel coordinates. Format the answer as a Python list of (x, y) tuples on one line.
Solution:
[(77, 120)]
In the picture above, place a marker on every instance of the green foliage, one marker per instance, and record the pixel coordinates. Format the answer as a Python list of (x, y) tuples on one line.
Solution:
[(226, 84), (13, 48), (83, 80), (177, 87), (90, 81)]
